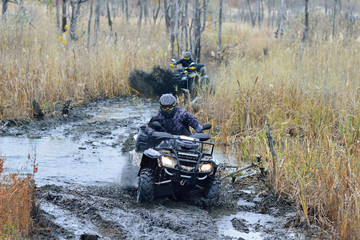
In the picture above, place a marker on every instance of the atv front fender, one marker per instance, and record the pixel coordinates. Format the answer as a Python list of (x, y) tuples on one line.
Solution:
[(147, 162)]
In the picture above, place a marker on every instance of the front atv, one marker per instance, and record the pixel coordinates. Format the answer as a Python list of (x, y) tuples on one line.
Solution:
[(176, 166)]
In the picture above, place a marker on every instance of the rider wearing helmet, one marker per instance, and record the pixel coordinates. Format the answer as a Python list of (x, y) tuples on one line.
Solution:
[(175, 120), (185, 62)]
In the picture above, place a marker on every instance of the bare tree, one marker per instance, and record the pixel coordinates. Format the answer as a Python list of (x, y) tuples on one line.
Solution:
[(279, 30), (4, 7), (97, 21), (64, 16), (172, 6), (306, 30), (127, 10), (140, 4), (251, 14), (220, 26), (196, 44), (167, 15), (109, 19), (156, 13), (57, 15), (146, 10), (75, 7), (334, 18), (89, 22)]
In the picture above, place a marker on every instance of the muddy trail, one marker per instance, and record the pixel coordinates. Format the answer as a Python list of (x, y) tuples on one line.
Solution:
[(86, 188)]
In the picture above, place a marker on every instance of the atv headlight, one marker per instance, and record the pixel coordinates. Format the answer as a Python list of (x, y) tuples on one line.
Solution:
[(205, 167), (167, 161)]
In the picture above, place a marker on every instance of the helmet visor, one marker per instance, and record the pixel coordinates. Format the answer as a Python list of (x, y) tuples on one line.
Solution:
[(186, 58), (167, 108)]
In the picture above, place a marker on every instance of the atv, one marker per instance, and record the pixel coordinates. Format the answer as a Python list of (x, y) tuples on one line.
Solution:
[(173, 165), (186, 79)]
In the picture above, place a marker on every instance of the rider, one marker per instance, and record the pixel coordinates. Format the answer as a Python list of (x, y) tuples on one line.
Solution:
[(187, 60), (175, 120)]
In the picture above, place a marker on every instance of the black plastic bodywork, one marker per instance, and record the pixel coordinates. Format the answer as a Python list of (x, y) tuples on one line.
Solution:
[(189, 154)]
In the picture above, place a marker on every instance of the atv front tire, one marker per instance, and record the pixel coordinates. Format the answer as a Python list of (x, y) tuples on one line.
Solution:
[(146, 189), (213, 189)]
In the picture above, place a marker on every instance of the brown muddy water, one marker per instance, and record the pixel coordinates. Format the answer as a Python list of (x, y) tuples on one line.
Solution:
[(86, 186)]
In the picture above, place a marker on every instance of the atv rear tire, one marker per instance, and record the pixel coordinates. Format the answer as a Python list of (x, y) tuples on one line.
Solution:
[(146, 188), (213, 189)]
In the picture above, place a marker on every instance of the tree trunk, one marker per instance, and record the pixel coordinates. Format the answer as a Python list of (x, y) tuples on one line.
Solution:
[(172, 26), (127, 10), (89, 22), (306, 30), (146, 10), (140, 3), (156, 14), (251, 14), (109, 19), (97, 21), (75, 7), (64, 15), (279, 31), (205, 7), (220, 28), (334, 18), (167, 16), (4, 7), (197, 31), (57, 15)]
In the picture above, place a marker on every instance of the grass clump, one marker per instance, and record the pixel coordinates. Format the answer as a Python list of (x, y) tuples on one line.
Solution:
[(17, 197)]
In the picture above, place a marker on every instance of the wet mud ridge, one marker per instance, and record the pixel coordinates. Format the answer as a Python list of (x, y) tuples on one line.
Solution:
[(82, 194), (110, 212)]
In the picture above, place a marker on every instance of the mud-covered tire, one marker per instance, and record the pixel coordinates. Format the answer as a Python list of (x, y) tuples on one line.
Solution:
[(213, 189), (146, 188)]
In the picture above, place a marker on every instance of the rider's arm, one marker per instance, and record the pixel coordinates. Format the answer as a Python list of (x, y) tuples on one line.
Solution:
[(193, 122)]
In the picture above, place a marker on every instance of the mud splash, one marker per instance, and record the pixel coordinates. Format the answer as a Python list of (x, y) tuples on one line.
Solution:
[(86, 189)]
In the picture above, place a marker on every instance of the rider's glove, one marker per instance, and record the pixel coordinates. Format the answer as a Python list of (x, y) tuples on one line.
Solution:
[(172, 65), (192, 68)]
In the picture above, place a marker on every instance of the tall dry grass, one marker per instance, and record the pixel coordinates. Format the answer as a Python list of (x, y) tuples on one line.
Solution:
[(35, 65), (17, 197), (312, 101)]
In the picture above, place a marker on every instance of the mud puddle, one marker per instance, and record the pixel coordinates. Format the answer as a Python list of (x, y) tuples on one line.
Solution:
[(85, 189)]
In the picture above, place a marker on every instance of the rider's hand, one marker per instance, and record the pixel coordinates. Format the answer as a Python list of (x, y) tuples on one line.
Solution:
[(172, 65), (192, 68)]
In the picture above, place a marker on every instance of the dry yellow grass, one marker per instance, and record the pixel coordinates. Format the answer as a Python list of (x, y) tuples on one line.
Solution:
[(311, 99), (17, 197)]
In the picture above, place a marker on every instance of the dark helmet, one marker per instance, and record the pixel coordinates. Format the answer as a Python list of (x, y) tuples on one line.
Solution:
[(167, 105), (187, 55)]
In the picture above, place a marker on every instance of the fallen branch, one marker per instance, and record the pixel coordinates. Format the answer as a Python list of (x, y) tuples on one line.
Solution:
[(239, 170)]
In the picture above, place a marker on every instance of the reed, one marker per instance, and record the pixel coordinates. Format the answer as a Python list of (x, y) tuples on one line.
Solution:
[(311, 99), (17, 197)]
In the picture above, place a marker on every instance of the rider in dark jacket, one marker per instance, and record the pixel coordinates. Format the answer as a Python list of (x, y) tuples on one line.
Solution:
[(187, 60), (173, 119)]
